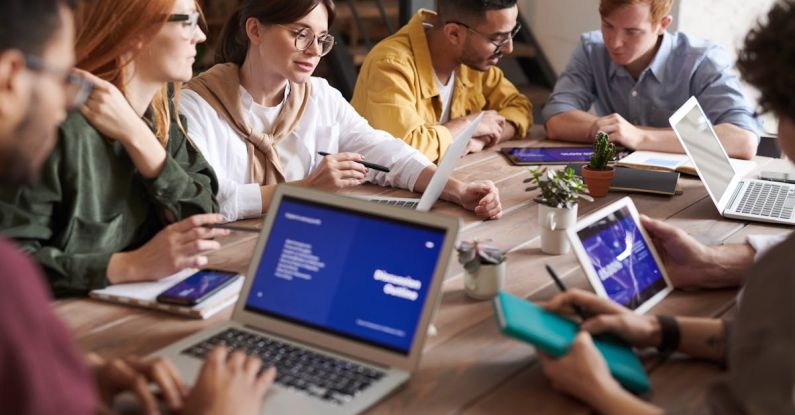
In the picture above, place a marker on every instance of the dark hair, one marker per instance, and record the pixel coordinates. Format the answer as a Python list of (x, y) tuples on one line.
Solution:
[(28, 25), (234, 40), (767, 60), (457, 10)]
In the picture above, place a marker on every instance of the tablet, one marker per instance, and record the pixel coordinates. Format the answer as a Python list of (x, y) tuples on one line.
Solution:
[(524, 156), (619, 258)]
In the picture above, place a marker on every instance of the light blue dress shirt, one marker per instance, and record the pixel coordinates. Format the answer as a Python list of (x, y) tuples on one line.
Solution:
[(683, 67)]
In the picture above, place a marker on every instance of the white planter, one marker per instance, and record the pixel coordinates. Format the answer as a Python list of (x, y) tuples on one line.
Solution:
[(484, 283), (553, 223)]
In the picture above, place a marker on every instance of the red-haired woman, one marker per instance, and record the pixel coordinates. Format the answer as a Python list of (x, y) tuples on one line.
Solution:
[(260, 118), (124, 195)]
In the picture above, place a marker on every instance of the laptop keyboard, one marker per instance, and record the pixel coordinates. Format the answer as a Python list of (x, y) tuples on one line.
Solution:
[(333, 380), (400, 203), (768, 199)]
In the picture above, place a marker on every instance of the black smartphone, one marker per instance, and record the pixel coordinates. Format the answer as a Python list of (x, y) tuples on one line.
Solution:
[(197, 288), (777, 176)]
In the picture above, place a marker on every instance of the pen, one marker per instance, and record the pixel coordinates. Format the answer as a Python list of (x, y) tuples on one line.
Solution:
[(232, 227), (562, 288), (364, 163)]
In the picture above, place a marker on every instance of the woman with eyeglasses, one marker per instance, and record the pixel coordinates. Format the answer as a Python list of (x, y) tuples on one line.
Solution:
[(124, 195), (261, 119)]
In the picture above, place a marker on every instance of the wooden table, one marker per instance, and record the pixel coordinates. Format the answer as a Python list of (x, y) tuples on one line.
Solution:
[(468, 367)]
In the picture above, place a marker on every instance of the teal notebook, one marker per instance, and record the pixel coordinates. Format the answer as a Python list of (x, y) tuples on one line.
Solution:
[(554, 334)]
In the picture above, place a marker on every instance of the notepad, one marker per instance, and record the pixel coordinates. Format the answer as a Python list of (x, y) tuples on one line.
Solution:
[(144, 294), (553, 334), (656, 160)]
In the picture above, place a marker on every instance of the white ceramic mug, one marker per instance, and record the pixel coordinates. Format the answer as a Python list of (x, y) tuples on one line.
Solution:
[(484, 283), (553, 223)]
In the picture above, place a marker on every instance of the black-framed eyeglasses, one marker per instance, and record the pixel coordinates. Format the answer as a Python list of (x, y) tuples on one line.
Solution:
[(77, 88), (304, 38), (189, 21), (498, 43)]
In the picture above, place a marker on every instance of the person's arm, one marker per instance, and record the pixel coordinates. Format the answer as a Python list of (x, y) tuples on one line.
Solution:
[(29, 215), (503, 97), (481, 197), (385, 96), (738, 142), (186, 185), (721, 95), (690, 263), (583, 373), (572, 125), (108, 111), (565, 113)]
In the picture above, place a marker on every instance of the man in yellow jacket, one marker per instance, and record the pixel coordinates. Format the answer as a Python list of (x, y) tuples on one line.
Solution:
[(428, 80)]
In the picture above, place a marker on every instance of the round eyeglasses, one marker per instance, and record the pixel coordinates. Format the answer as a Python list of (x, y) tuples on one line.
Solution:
[(76, 88), (304, 38), (189, 21), (503, 40)]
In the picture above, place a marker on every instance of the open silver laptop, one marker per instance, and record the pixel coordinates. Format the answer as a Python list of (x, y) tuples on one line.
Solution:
[(331, 301), (439, 180), (735, 197)]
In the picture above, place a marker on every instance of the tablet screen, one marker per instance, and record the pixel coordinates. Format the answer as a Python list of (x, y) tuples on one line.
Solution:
[(547, 155), (622, 259)]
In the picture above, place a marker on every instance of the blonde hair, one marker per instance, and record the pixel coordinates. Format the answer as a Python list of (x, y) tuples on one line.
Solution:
[(659, 8)]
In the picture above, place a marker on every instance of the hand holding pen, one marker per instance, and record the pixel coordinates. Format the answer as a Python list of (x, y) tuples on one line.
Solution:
[(336, 172), (604, 318), (362, 162)]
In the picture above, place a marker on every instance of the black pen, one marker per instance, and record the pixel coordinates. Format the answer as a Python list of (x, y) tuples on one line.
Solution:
[(562, 288), (364, 163), (232, 227)]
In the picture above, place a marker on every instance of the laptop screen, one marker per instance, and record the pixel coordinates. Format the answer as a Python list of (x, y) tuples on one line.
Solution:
[(622, 259), (705, 151), (359, 276)]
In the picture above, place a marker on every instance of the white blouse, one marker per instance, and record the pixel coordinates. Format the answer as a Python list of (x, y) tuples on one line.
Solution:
[(328, 124)]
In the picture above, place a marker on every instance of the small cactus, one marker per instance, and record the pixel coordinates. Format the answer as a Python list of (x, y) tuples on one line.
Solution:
[(603, 152)]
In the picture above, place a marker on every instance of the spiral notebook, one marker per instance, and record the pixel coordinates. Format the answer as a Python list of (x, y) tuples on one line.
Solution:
[(144, 294)]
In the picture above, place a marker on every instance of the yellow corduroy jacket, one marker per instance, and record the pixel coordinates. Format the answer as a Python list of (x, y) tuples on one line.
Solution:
[(396, 92)]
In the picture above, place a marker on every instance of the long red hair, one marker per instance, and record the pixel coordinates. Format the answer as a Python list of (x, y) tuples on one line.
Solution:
[(108, 35)]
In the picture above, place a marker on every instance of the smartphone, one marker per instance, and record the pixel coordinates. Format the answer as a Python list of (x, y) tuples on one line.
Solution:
[(777, 176), (547, 155), (197, 287)]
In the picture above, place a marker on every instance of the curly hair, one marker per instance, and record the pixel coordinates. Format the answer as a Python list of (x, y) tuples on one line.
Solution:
[(767, 60)]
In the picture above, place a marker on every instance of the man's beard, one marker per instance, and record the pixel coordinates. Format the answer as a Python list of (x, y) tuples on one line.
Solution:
[(31, 138), (471, 62)]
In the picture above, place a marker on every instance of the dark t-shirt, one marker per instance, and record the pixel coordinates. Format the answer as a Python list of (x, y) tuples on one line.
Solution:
[(41, 371)]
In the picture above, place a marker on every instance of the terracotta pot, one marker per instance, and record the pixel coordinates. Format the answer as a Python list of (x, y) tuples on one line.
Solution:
[(598, 181)]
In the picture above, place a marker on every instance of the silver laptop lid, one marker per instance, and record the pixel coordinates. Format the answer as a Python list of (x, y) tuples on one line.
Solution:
[(332, 272), (702, 145), (454, 153)]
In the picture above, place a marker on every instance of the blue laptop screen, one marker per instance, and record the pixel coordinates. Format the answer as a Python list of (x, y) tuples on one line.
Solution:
[(622, 259), (351, 274)]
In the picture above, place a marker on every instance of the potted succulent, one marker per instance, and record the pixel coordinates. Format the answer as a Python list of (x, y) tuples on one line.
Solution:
[(485, 268), (597, 173), (557, 211)]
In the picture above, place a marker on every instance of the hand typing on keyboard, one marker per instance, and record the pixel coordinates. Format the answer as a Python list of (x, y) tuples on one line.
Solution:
[(230, 383)]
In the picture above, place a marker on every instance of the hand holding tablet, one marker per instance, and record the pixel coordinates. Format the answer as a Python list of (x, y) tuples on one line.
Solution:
[(619, 258)]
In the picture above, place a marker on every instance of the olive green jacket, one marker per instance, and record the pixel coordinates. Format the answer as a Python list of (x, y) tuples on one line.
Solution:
[(91, 202)]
